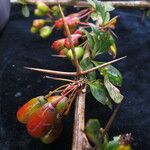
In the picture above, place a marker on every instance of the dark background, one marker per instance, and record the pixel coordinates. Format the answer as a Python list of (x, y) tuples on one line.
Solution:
[(19, 48)]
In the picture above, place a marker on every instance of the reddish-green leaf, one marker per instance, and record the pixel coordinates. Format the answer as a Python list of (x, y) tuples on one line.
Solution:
[(113, 91)]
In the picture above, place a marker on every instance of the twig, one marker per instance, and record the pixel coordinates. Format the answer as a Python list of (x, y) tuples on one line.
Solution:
[(70, 40), (84, 72), (121, 4), (60, 79), (111, 119)]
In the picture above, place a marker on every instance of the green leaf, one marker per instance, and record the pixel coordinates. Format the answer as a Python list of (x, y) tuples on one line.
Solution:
[(25, 11), (94, 16), (109, 7), (107, 18), (113, 91), (89, 38), (100, 93), (87, 64), (102, 41), (105, 143), (101, 10), (113, 74), (93, 133), (113, 145)]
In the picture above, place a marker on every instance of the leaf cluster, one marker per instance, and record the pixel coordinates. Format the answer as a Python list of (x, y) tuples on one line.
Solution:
[(94, 133)]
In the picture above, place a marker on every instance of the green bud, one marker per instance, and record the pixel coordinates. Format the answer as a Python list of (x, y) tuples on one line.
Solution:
[(42, 7), (38, 23), (45, 32), (53, 133), (79, 53), (38, 13), (34, 30), (55, 10)]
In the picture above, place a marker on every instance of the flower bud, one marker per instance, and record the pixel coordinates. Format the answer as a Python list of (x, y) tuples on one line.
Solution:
[(34, 30), (42, 7), (38, 13), (29, 108), (58, 44), (72, 21), (45, 32), (63, 51), (40, 123), (75, 40), (55, 10), (53, 133), (38, 23), (79, 53), (61, 105)]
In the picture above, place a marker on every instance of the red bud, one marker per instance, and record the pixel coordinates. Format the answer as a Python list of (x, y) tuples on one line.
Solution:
[(58, 44), (29, 108), (78, 32), (72, 20), (42, 120), (75, 40)]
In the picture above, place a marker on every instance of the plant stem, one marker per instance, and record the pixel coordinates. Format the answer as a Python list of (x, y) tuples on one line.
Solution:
[(70, 40), (111, 119), (79, 122)]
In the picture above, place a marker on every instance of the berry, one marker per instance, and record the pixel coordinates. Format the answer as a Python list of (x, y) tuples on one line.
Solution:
[(55, 10), (40, 123), (71, 29), (61, 105), (38, 13), (75, 40), (78, 32), (29, 108), (42, 7), (72, 21), (63, 51), (58, 44), (34, 30), (45, 32), (38, 23), (53, 133), (79, 53)]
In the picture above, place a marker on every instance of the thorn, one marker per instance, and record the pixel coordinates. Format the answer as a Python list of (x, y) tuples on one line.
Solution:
[(60, 79), (60, 56)]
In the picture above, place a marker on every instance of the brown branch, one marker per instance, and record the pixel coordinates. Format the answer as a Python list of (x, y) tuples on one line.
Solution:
[(79, 122), (111, 119), (121, 4), (70, 41), (54, 72)]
